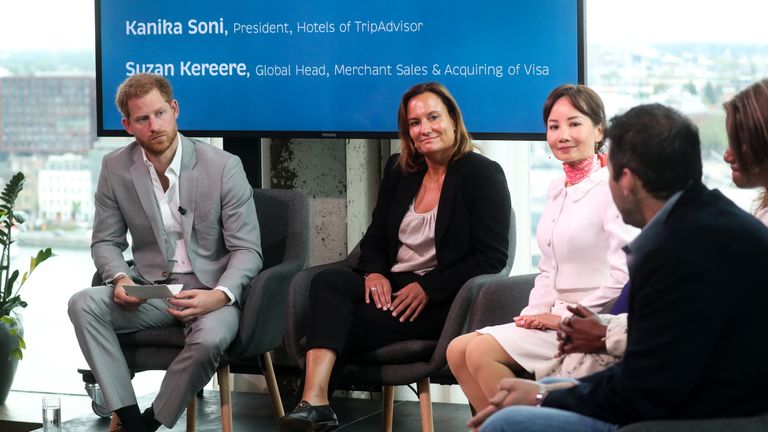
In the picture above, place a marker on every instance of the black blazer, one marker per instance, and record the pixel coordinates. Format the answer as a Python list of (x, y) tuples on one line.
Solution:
[(471, 230), (696, 343)]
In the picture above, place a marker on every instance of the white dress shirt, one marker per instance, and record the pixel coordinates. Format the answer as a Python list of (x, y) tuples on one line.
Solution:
[(170, 211)]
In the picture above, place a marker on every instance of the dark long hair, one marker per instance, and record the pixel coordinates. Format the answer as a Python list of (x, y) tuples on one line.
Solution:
[(746, 122)]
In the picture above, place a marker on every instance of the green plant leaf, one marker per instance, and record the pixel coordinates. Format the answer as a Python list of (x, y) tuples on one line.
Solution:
[(12, 189), (14, 302), (9, 291), (42, 255), (12, 279), (16, 354)]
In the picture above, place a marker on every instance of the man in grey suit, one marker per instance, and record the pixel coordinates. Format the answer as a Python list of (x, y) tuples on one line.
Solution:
[(190, 213)]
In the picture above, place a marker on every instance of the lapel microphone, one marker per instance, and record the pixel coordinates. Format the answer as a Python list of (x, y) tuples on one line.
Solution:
[(182, 210)]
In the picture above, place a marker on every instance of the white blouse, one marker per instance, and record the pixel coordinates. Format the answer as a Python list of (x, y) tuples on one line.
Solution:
[(581, 235)]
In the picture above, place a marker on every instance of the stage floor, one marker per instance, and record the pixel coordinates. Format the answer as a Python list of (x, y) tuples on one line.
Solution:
[(251, 412)]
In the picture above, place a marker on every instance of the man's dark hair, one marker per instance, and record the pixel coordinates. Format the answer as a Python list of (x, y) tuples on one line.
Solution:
[(659, 145)]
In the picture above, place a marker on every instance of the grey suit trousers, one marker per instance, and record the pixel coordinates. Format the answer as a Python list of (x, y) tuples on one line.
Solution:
[(98, 320)]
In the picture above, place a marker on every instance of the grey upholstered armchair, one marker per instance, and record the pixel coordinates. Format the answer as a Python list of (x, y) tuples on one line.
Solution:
[(500, 301), (401, 363), (284, 220)]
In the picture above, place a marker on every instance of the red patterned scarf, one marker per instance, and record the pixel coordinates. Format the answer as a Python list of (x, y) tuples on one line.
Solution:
[(575, 174)]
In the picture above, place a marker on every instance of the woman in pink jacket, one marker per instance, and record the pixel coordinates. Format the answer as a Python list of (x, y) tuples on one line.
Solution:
[(580, 235)]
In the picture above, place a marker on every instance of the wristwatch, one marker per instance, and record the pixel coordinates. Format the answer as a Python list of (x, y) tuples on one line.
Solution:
[(543, 392)]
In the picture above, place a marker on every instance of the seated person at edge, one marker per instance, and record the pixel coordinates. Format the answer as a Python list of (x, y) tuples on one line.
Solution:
[(442, 217), (190, 212), (589, 343), (697, 299), (580, 234)]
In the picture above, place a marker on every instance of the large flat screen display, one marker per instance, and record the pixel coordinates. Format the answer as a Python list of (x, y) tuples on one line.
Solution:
[(337, 68)]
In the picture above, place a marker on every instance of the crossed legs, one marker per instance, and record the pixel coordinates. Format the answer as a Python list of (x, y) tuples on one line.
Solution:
[(479, 363)]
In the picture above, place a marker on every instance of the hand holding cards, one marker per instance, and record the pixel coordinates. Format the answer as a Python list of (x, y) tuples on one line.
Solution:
[(152, 291)]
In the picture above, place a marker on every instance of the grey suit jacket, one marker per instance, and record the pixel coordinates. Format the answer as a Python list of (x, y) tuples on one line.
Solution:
[(220, 226)]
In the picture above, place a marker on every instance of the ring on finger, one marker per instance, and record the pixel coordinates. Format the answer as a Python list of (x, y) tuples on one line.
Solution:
[(373, 288)]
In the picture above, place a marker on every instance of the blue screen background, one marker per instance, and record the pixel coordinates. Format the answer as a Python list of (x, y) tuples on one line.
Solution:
[(496, 32)]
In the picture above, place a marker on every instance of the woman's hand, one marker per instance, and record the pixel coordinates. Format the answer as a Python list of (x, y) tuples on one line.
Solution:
[(542, 321), (378, 288), (409, 302)]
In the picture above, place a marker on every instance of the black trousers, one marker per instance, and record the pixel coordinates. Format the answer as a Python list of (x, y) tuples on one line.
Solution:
[(340, 320)]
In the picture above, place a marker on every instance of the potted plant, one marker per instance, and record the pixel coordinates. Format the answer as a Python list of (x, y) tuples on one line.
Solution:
[(11, 331)]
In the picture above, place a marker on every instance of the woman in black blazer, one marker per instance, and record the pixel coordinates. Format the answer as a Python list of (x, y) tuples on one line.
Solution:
[(442, 217)]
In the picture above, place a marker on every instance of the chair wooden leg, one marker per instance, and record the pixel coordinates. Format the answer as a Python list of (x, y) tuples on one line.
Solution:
[(274, 391), (388, 408), (425, 402), (114, 423), (225, 394), (191, 414)]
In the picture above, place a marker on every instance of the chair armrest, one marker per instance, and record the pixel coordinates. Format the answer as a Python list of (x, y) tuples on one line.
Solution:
[(457, 321), (263, 311), (500, 300), (298, 309)]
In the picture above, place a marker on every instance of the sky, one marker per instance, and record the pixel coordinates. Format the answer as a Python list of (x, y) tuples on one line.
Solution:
[(69, 24), (46, 24), (653, 21)]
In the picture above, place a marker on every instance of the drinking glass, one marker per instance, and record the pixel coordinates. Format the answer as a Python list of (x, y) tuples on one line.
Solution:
[(51, 414)]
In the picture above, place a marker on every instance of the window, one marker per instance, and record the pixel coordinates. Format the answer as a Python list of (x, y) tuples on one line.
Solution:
[(690, 61), (48, 131)]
